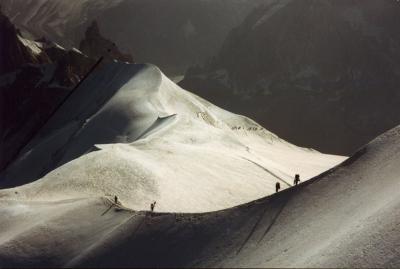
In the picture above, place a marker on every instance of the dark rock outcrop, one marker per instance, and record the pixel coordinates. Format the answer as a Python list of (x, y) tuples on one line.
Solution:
[(14, 53), (35, 77), (94, 45)]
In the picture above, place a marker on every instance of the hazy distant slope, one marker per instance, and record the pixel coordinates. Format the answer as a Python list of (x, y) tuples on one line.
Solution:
[(327, 70), (132, 132), (190, 31), (55, 19)]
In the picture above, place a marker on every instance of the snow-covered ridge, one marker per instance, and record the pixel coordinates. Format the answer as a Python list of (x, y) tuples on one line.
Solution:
[(347, 217), (130, 131)]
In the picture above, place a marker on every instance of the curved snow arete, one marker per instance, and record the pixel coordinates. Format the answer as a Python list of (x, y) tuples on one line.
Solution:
[(155, 141), (347, 217)]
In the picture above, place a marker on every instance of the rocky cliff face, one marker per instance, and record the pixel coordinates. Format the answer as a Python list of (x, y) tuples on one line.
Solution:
[(15, 50), (35, 76), (321, 74)]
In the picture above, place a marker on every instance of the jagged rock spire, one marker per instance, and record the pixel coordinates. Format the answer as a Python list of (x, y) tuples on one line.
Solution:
[(94, 45)]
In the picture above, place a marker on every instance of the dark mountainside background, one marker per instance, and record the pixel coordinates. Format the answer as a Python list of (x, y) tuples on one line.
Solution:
[(322, 74), (172, 34)]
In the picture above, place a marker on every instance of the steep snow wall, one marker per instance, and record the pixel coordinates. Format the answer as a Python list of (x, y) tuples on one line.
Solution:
[(129, 131)]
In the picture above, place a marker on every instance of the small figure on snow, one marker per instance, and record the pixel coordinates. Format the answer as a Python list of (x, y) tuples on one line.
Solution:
[(115, 199), (152, 205), (296, 179), (277, 186)]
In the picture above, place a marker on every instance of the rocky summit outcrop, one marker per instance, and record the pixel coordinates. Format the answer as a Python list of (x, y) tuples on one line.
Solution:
[(15, 51), (35, 77), (94, 45), (321, 74)]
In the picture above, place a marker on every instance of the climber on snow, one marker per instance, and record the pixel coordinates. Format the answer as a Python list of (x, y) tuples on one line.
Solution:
[(152, 205), (296, 179), (277, 186)]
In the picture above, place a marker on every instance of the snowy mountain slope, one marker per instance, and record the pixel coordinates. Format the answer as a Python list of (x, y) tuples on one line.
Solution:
[(132, 132), (347, 217)]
